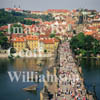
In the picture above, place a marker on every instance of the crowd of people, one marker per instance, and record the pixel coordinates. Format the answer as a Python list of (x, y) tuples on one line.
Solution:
[(70, 83)]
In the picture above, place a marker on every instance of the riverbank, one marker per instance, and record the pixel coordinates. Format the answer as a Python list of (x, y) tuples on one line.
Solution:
[(28, 54), (13, 56), (3, 55), (88, 57)]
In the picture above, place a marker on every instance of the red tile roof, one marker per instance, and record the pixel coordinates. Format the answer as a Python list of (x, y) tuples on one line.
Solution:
[(17, 9), (92, 28), (4, 27), (8, 9), (35, 11), (19, 39), (58, 10), (89, 32), (31, 37), (46, 22), (48, 41)]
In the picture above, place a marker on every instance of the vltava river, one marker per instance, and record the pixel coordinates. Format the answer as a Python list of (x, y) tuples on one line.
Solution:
[(14, 91), (91, 73)]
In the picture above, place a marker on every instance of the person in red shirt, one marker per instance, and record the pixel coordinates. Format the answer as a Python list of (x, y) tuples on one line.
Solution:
[(84, 98), (75, 98)]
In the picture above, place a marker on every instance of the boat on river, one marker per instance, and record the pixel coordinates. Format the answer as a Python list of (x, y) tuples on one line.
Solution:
[(31, 88)]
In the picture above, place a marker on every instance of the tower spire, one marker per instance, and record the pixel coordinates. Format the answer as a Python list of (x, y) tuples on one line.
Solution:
[(19, 6), (14, 6)]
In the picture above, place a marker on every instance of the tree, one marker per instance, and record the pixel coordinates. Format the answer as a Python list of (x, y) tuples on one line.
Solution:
[(52, 35), (85, 45), (15, 17), (74, 31), (77, 42), (3, 41), (45, 51), (12, 50), (15, 28)]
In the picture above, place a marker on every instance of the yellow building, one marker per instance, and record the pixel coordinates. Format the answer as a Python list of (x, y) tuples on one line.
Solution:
[(56, 43), (19, 43), (96, 23), (50, 45), (32, 42)]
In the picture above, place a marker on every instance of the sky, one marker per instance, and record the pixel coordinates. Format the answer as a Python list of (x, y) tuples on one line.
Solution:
[(43, 5)]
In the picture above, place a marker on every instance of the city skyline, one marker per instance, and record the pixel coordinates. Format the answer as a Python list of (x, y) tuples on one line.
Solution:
[(50, 4)]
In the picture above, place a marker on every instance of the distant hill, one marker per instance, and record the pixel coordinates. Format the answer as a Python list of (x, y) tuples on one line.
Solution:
[(14, 17)]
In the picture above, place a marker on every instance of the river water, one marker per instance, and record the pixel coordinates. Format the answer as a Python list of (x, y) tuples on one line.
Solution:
[(14, 91), (91, 74)]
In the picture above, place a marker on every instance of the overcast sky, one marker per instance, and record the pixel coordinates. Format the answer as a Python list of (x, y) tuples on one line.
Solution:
[(51, 4)]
